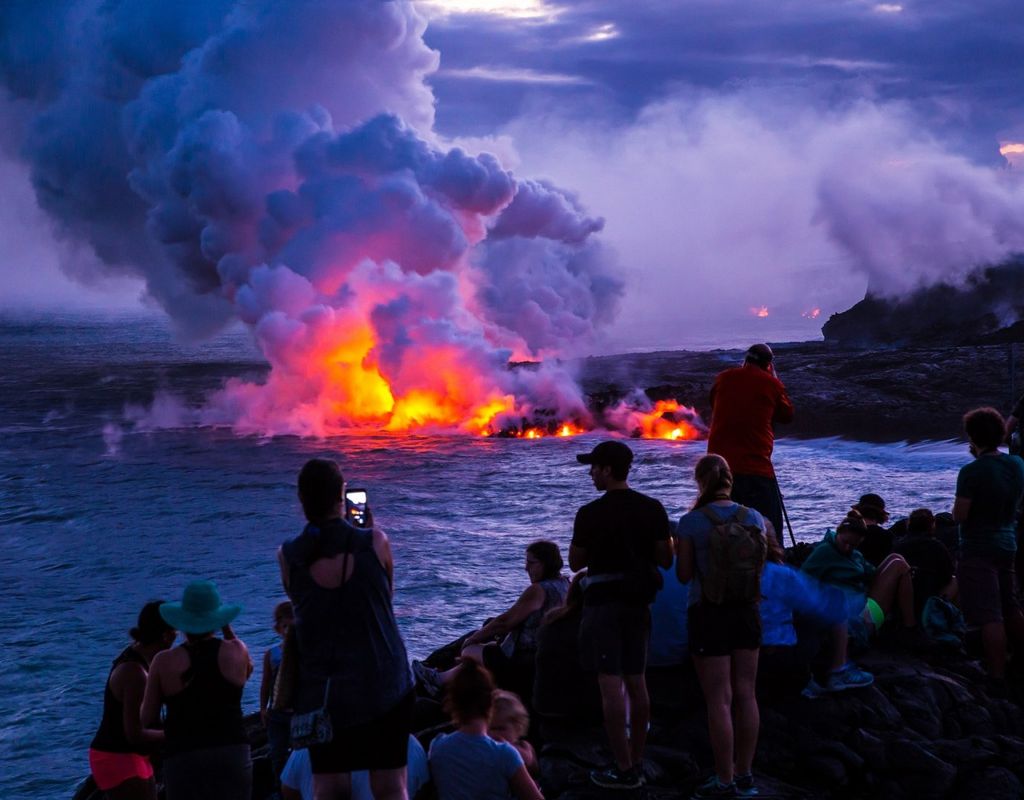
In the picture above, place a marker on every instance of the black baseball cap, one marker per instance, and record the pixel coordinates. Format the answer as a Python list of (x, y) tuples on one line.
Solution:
[(611, 453)]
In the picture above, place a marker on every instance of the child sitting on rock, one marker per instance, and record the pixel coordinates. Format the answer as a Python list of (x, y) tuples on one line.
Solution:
[(510, 722), (468, 764), (276, 722)]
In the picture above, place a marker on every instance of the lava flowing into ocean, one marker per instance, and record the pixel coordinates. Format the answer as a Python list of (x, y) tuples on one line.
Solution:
[(389, 279), (668, 420)]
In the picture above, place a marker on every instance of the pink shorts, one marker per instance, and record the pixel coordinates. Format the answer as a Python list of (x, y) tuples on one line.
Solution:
[(110, 770)]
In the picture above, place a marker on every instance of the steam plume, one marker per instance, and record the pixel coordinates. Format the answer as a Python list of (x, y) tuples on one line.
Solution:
[(275, 163)]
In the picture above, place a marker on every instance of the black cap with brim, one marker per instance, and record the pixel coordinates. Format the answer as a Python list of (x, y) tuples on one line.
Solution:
[(609, 453)]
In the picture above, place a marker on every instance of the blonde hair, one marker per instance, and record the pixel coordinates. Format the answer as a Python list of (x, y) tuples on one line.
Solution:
[(509, 707), (713, 477)]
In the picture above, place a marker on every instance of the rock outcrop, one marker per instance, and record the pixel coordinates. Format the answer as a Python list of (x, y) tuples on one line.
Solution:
[(932, 726), (882, 394), (987, 308)]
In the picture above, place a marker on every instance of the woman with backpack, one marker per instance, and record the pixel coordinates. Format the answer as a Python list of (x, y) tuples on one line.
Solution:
[(721, 551)]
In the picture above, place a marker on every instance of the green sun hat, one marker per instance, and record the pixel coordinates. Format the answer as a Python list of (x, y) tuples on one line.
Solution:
[(200, 610)]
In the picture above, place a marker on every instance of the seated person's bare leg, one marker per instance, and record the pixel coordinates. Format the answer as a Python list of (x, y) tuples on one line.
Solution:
[(389, 784), (332, 786), (893, 588)]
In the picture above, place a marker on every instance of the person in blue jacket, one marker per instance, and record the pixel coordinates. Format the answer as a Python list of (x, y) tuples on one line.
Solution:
[(787, 592)]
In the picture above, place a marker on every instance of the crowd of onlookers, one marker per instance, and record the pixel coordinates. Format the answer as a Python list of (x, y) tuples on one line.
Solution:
[(715, 591)]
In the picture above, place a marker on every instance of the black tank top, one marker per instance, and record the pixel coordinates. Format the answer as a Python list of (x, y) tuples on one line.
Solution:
[(111, 738), (208, 711)]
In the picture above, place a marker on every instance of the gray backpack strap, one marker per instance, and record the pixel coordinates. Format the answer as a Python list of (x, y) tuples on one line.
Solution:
[(711, 515)]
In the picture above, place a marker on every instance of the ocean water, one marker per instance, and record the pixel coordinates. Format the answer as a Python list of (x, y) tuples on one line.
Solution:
[(97, 518)]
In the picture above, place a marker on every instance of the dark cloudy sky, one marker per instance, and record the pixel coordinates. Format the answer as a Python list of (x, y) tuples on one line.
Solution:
[(744, 155)]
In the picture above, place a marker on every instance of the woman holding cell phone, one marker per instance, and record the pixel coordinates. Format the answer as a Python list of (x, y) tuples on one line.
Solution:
[(339, 576)]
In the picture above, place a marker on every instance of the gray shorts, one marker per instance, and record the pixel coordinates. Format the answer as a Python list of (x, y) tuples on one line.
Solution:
[(613, 638), (988, 588)]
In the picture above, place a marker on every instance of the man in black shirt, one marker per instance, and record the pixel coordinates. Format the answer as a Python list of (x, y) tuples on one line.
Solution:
[(621, 538)]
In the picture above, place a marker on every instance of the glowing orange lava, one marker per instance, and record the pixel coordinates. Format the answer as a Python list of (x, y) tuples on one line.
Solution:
[(759, 311), (563, 429), (668, 420), (437, 390), (814, 313)]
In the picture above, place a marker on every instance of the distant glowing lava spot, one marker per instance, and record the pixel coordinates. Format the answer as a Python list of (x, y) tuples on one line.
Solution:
[(813, 313), (759, 311)]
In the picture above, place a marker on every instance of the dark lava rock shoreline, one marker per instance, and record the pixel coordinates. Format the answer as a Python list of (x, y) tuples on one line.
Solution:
[(931, 726), (884, 395)]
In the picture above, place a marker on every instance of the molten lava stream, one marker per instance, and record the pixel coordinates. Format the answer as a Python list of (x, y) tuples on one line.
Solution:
[(668, 420)]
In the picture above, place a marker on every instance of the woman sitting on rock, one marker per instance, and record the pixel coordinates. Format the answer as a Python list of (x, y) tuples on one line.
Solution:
[(871, 593), (721, 551), (118, 753), (507, 644), (201, 684), (468, 764)]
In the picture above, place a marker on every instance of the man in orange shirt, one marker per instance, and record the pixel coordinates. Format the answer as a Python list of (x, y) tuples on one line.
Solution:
[(745, 403)]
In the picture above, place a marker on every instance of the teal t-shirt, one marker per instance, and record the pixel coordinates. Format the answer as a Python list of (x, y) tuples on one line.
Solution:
[(994, 484)]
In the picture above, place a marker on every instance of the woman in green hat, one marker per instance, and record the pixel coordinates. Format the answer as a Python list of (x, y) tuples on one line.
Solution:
[(201, 682)]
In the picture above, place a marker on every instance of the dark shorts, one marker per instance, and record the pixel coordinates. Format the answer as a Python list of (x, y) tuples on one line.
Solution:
[(381, 743), (212, 773), (613, 638), (718, 630), (761, 494), (988, 588)]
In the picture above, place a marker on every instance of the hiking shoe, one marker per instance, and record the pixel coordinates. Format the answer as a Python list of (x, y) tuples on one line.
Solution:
[(713, 787), (745, 786), (812, 690), (428, 678), (850, 676), (615, 778)]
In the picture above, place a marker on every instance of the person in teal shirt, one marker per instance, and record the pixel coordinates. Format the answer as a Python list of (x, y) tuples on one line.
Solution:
[(988, 496), (871, 593)]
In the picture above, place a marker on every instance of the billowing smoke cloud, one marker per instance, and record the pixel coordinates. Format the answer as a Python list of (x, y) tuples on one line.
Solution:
[(275, 163), (762, 197)]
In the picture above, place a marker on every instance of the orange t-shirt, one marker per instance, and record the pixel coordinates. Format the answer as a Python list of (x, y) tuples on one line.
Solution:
[(745, 401)]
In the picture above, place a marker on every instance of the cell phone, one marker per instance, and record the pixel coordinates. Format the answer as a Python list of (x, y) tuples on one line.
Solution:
[(355, 507)]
